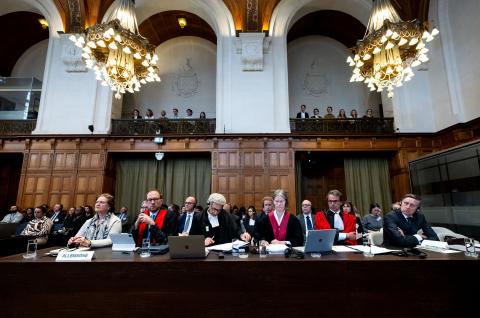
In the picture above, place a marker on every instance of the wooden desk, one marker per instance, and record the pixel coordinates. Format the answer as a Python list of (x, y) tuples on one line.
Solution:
[(346, 285)]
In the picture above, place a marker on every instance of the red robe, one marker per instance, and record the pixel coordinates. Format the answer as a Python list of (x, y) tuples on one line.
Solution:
[(349, 224), (158, 220)]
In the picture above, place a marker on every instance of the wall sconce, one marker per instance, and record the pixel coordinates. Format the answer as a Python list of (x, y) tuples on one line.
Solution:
[(43, 22), (159, 155), (182, 22)]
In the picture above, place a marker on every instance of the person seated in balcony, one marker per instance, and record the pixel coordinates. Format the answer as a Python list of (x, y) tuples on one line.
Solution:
[(202, 115), (149, 114), (302, 114), (175, 113), (39, 227), (96, 231), (368, 114), (316, 113), (373, 222), (354, 114), (341, 114), (15, 216), (189, 112), (136, 114), (329, 114), (163, 114)]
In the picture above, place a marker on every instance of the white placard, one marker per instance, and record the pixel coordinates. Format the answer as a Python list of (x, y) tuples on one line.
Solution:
[(76, 256)]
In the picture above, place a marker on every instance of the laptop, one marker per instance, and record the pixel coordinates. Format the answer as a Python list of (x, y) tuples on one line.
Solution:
[(7, 229), (122, 242), (320, 241), (192, 246)]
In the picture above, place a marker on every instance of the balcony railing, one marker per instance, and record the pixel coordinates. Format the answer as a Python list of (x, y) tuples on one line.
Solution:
[(375, 126), (150, 127), (17, 127)]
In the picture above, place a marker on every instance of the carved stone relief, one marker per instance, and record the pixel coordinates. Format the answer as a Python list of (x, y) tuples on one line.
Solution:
[(186, 82), (315, 82)]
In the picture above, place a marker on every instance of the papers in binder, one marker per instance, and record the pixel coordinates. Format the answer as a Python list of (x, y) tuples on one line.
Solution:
[(225, 247), (276, 248)]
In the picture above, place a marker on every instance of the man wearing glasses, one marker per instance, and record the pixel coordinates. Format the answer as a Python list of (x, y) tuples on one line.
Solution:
[(334, 218), (401, 226), (216, 225), (154, 223), (186, 219)]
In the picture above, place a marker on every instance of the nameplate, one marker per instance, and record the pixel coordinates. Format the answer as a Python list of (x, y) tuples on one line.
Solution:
[(76, 256)]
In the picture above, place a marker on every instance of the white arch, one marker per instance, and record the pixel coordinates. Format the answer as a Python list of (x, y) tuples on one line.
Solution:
[(214, 12)]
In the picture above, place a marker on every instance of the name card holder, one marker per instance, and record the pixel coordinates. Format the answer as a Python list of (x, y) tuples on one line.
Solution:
[(75, 256)]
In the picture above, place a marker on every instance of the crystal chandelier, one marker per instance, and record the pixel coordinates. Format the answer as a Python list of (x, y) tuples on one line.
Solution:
[(384, 58), (121, 58)]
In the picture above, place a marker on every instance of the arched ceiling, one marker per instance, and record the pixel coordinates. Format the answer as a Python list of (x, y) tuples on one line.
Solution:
[(16, 40), (334, 24), (164, 26)]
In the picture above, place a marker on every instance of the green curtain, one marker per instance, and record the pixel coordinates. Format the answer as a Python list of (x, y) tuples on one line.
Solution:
[(176, 178), (298, 185), (367, 181)]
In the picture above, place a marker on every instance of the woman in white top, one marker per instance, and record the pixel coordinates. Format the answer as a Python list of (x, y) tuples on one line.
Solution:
[(95, 232)]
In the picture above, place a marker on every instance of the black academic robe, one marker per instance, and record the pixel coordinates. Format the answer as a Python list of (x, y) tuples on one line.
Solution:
[(224, 233)]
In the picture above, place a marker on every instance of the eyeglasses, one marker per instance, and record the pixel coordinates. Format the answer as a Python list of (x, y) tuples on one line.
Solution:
[(333, 201), (153, 199), (189, 202)]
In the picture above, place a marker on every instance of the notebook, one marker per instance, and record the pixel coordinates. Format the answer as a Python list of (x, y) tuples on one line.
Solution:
[(319, 241), (7, 229), (192, 246), (122, 242)]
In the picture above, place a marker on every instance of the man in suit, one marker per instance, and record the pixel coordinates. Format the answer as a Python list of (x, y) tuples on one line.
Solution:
[(216, 225), (57, 216), (334, 218), (186, 219), (123, 216), (401, 226), (307, 221), (155, 223), (302, 113)]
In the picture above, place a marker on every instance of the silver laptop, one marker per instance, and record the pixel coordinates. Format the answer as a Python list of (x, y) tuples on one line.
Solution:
[(319, 241), (192, 246), (122, 242)]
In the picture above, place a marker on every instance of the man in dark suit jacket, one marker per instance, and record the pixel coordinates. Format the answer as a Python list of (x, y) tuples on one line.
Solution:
[(185, 221), (305, 217), (302, 113), (57, 216), (400, 227)]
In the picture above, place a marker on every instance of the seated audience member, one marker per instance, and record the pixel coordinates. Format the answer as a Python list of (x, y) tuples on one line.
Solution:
[(307, 221), (175, 113), (78, 220), (57, 215), (202, 115), (334, 218), (341, 114), (39, 227), (136, 114), (329, 114), (280, 226), (249, 220), (189, 112), (89, 212), (349, 208), (14, 215), (173, 208), (163, 114), (149, 114), (216, 225), (400, 227), (28, 215), (155, 223), (186, 219), (354, 114), (373, 221), (267, 207), (68, 222), (95, 232), (316, 113), (123, 216), (369, 114), (302, 113)]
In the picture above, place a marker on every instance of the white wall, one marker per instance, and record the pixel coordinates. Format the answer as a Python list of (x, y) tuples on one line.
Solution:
[(182, 86), (318, 76), (32, 61)]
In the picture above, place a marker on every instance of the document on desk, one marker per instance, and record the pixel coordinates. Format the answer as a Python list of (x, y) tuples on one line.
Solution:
[(436, 246), (456, 248), (225, 247), (375, 249), (342, 249)]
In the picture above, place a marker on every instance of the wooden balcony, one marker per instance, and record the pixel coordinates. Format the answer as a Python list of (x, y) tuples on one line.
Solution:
[(351, 127), (17, 127), (150, 127)]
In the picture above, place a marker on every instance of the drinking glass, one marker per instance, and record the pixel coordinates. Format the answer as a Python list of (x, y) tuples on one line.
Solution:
[(470, 247), (243, 252), (262, 251), (145, 251), (31, 249), (367, 244)]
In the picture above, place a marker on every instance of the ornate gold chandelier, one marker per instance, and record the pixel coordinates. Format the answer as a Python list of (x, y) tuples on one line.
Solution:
[(384, 58), (121, 58)]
